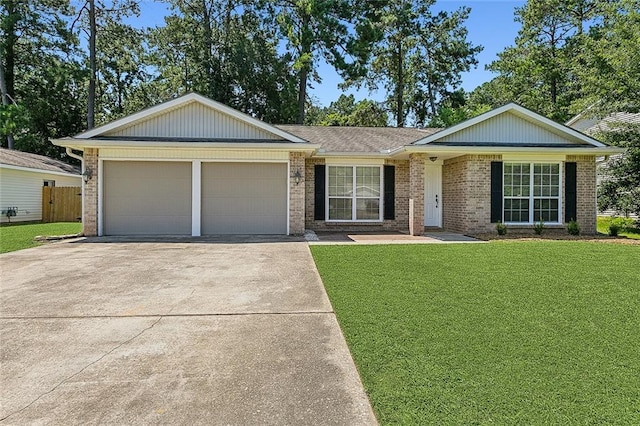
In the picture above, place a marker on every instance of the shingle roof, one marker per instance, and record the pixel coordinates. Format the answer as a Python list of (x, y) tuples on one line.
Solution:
[(33, 161), (357, 139), (613, 121)]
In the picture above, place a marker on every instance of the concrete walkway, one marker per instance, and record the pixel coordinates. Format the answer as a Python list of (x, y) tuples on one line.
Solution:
[(182, 332), (435, 237)]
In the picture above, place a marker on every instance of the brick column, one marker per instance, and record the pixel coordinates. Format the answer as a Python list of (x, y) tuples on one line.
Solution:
[(586, 192), (296, 193), (416, 194), (90, 194)]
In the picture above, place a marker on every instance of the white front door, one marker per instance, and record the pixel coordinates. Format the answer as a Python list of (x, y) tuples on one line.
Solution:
[(433, 195)]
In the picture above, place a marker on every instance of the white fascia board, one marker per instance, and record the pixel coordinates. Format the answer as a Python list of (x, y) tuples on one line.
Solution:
[(184, 100), (605, 150), (81, 144), (29, 169), (518, 109)]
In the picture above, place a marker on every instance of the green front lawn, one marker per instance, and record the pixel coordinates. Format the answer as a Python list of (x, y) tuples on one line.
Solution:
[(21, 236), (632, 232), (504, 333)]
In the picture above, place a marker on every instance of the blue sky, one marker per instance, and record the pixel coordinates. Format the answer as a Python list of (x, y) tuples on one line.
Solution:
[(490, 24)]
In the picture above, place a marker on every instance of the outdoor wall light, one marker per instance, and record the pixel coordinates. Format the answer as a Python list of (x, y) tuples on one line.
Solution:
[(433, 159), (297, 176), (87, 175)]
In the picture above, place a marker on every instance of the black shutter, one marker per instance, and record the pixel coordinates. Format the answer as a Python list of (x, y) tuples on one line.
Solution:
[(318, 211), (570, 192), (389, 204), (496, 191)]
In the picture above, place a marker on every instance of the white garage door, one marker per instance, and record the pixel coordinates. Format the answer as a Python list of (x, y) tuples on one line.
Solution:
[(244, 198), (147, 198)]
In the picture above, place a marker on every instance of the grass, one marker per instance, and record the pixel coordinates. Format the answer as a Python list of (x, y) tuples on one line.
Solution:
[(21, 236), (504, 333), (603, 228)]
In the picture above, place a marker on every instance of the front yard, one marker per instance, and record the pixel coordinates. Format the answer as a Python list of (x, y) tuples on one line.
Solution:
[(504, 332), (18, 236)]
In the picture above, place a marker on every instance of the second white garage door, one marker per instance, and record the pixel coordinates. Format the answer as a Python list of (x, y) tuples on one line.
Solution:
[(244, 198)]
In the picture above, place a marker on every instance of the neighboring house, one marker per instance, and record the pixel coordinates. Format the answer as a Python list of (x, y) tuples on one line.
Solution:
[(22, 176), (192, 166), (592, 126)]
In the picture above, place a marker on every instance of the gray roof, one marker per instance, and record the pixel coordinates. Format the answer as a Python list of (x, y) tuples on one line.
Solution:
[(613, 121), (33, 161), (358, 139)]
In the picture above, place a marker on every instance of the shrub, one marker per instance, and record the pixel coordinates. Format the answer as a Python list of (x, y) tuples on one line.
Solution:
[(501, 228), (538, 228), (613, 229), (573, 228)]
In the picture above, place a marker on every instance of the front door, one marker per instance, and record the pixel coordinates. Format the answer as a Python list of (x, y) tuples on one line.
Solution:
[(433, 195)]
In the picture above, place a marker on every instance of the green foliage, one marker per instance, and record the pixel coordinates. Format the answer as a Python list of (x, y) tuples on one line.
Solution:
[(619, 188), (573, 228), (337, 30), (626, 227), (21, 236), (501, 228), (503, 337), (419, 57), (538, 228), (347, 112)]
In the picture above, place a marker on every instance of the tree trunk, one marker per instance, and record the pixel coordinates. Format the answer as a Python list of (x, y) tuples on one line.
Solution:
[(5, 102), (400, 89), (91, 100), (208, 41), (302, 94)]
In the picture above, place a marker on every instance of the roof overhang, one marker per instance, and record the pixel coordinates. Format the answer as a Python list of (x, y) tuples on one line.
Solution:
[(493, 150), (81, 144), (31, 169)]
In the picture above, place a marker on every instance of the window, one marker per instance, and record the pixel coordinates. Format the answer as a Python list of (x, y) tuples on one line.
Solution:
[(531, 192), (353, 193), (50, 183)]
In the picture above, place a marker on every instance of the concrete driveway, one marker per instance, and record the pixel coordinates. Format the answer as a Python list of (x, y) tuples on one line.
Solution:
[(182, 332)]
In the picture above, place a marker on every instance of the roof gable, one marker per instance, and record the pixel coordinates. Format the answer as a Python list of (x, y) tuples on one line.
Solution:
[(190, 117), (510, 125)]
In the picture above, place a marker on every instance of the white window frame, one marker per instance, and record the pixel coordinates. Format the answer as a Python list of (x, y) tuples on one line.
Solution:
[(531, 197), (354, 198)]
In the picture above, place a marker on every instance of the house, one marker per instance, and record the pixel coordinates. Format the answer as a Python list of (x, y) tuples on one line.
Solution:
[(22, 176), (593, 126), (192, 166)]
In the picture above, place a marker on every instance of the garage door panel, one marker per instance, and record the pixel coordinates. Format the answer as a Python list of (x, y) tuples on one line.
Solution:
[(241, 198), (147, 198)]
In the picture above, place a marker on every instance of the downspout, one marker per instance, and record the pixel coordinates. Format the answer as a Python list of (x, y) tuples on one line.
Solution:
[(71, 154)]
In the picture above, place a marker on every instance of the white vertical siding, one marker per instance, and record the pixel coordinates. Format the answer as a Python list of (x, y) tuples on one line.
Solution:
[(23, 189), (505, 128), (194, 120)]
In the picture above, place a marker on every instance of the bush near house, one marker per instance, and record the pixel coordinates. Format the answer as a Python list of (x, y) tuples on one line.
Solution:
[(517, 333)]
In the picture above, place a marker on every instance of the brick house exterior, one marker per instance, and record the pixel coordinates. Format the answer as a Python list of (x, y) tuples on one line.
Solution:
[(221, 171)]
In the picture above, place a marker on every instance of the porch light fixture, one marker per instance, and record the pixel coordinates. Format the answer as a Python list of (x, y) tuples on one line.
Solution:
[(87, 175), (297, 176), (433, 159)]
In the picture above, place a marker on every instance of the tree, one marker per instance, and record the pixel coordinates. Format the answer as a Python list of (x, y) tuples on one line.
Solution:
[(96, 14), (42, 74), (345, 111), (226, 51), (610, 74), (539, 72), (620, 186), (418, 57), (337, 30)]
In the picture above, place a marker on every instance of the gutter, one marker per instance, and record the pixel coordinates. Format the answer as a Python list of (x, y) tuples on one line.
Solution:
[(89, 143)]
